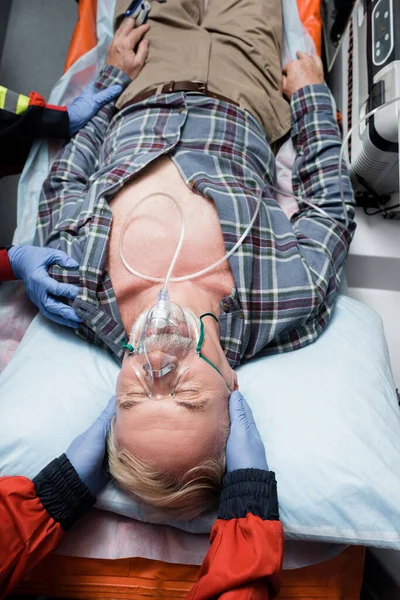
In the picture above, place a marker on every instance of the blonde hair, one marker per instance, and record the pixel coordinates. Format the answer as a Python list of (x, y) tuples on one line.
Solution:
[(184, 497)]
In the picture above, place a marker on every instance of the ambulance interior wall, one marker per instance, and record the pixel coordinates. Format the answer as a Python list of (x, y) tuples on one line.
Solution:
[(34, 40)]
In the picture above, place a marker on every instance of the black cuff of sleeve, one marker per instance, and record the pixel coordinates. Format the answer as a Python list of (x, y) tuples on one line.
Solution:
[(62, 493), (44, 122), (249, 491)]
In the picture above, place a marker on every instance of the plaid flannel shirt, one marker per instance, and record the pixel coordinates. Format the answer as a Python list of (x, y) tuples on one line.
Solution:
[(287, 273)]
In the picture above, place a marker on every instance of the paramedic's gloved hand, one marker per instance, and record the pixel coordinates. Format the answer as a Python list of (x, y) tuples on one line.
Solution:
[(245, 449), (86, 105), (30, 264), (86, 452), (307, 70), (128, 51)]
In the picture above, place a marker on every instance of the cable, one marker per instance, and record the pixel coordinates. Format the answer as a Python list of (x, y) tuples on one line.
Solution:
[(177, 251), (385, 209), (179, 246)]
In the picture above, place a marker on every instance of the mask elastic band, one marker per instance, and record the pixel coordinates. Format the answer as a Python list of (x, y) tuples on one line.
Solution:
[(201, 336), (201, 340)]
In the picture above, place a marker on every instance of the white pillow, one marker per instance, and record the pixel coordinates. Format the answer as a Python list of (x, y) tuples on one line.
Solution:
[(328, 416)]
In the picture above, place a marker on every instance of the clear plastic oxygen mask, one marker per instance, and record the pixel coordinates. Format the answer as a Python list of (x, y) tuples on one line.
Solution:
[(165, 341)]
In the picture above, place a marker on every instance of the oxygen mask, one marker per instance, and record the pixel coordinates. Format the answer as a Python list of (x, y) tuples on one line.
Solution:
[(160, 346)]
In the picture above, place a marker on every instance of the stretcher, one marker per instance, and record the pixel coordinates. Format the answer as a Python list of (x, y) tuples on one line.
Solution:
[(78, 577)]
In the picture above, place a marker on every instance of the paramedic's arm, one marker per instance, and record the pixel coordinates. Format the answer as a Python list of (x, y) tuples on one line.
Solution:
[(322, 243), (245, 558), (34, 515), (70, 173), (28, 117)]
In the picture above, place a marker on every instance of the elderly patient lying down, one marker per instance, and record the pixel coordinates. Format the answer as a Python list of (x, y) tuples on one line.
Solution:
[(197, 124)]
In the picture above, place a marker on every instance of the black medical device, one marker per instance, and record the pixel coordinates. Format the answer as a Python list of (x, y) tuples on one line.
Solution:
[(370, 78), (139, 10)]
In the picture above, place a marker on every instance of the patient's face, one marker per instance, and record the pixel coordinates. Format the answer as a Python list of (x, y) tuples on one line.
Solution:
[(173, 430)]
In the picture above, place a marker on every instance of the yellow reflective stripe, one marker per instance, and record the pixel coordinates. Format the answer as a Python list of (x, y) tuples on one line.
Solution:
[(22, 104), (16, 103), (3, 92)]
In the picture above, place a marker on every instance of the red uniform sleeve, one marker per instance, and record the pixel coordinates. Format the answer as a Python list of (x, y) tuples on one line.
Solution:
[(244, 561), (6, 273), (27, 532)]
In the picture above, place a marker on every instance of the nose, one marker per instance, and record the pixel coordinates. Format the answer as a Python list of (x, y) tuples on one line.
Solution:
[(159, 360)]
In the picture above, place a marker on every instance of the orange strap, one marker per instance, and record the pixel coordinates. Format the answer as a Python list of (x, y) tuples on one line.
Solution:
[(73, 577), (84, 37), (310, 14)]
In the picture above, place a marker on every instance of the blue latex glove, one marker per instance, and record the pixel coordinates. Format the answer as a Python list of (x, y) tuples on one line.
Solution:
[(245, 448), (29, 263), (85, 106), (86, 452)]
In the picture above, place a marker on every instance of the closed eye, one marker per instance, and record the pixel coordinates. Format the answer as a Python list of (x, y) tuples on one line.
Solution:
[(127, 403), (195, 407)]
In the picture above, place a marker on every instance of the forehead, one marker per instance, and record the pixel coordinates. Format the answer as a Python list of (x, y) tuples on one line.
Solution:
[(168, 442)]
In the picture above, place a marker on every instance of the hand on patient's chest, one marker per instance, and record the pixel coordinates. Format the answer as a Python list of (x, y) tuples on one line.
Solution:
[(154, 229)]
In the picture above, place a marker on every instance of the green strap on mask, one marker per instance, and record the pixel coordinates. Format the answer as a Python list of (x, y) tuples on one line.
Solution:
[(201, 340), (126, 346)]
